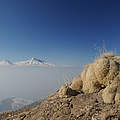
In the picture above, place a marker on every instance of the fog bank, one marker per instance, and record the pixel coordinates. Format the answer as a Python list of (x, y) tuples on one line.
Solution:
[(33, 82)]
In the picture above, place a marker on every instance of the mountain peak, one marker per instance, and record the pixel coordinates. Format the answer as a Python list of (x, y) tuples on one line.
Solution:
[(5, 62), (34, 62), (30, 62), (13, 103), (35, 59)]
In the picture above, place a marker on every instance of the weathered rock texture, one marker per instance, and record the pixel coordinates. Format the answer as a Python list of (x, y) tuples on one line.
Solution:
[(103, 73), (66, 91)]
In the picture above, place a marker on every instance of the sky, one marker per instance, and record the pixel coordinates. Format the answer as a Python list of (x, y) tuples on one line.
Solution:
[(63, 31)]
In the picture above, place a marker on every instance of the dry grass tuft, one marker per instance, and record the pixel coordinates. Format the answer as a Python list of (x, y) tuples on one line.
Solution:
[(107, 55), (103, 52)]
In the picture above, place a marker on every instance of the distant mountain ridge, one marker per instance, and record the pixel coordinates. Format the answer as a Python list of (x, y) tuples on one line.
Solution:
[(6, 62), (29, 62), (13, 103)]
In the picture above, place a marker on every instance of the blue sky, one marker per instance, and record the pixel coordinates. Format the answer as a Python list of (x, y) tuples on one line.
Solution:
[(64, 31)]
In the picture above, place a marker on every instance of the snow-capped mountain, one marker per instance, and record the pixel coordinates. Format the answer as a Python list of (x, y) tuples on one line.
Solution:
[(5, 63), (30, 62), (34, 61), (13, 104)]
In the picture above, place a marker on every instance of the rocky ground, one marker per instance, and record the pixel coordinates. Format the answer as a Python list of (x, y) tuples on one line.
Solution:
[(79, 107)]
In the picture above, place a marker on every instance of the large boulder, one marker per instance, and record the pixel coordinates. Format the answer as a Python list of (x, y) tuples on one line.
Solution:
[(103, 73), (100, 73)]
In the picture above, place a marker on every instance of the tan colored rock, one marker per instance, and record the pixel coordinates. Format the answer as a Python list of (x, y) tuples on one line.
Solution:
[(63, 91), (76, 83), (101, 69), (113, 72), (90, 83), (66, 91), (97, 75), (102, 73), (111, 94), (117, 97)]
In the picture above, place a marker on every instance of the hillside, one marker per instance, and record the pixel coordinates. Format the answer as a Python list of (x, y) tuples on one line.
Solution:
[(92, 95)]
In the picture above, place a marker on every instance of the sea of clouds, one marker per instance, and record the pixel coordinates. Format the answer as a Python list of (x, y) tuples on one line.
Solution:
[(31, 82)]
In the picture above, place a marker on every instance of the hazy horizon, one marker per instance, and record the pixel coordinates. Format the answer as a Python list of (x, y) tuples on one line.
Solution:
[(33, 82)]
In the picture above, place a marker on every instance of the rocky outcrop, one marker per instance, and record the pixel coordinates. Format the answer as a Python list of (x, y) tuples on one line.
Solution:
[(103, 73)]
